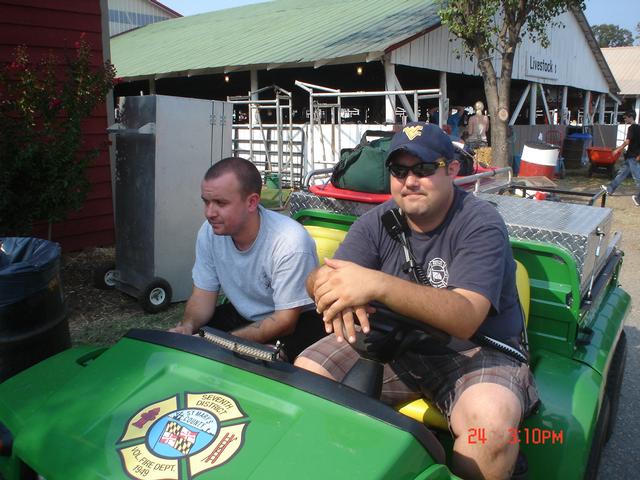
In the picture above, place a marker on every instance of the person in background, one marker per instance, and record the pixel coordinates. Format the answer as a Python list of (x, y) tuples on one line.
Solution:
[(478, 127), (454, 119), (631, 165), (464, 155), (434, 115), (259, 258)]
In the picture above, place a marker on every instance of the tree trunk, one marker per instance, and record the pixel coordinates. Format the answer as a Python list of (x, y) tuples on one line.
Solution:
[(495, 103), (500, 134), (499, 144), (498, 102)]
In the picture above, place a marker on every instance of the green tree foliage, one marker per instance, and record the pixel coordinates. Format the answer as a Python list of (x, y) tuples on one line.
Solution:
[(495, 27), (42, 156), (609, 35)]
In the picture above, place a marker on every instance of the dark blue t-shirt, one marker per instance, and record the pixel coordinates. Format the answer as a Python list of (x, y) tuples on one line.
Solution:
[(633, 135), (469, 250)]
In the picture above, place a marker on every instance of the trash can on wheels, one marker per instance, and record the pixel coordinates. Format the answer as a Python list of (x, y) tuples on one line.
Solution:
[(33, 316)]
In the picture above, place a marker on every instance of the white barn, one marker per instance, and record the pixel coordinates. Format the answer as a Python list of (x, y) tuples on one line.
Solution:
[(398, 45), (125, 15)]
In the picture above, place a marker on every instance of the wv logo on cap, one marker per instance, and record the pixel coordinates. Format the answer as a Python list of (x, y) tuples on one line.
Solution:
[(413, 131)]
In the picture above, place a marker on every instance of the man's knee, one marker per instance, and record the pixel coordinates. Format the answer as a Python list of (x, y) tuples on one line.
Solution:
[(491, 407), (312, 366), (484, 421)]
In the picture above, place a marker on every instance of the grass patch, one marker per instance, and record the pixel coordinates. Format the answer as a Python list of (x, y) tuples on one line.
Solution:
[(102, 317), (108, 329)]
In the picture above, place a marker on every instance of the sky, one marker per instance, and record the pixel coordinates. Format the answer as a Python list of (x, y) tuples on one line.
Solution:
[(191, 7), (624, 13)]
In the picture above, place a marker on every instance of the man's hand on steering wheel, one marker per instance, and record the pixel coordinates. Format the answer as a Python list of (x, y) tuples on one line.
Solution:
[(342, 294), (344, 323)]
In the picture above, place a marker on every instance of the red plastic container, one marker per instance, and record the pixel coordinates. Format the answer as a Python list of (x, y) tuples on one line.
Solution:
[(539, 160), (602, 155), (528, 169), (602, 159)]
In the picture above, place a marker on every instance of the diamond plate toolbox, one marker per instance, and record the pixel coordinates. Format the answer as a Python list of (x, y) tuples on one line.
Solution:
[(302, 199), (571, 226)]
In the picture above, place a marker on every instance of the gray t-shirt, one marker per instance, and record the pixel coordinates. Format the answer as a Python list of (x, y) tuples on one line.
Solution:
[(469, 250), (267, 277)]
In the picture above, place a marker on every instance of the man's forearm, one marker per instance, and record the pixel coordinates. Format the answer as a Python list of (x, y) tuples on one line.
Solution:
[(261, 331), (197, 313), (622, 145), (434, 306), (276, 325), (311, 280)]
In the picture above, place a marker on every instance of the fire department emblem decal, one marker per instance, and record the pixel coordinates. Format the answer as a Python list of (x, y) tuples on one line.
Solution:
[(182, 436), (437, 273)]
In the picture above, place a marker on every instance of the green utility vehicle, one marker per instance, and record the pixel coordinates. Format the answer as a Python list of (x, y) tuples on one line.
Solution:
[(159, 405)]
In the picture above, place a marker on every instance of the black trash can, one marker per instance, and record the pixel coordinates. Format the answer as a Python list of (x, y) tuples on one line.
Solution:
[(572, 151), (33, 316)]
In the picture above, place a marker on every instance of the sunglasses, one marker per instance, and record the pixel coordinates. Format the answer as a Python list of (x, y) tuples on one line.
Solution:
[(420, 170)]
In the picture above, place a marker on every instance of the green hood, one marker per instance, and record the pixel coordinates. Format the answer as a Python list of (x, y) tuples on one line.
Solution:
[(165, 406)]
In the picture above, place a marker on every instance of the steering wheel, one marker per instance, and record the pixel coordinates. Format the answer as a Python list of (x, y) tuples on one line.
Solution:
[(393, 334)]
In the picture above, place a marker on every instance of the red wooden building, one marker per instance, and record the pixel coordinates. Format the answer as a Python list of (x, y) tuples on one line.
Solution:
[(53, 26)]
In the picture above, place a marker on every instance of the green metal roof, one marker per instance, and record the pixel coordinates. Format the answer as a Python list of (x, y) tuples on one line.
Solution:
[(281, 33)]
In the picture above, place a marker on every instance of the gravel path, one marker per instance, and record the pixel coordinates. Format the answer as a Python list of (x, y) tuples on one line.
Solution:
[(620, 458)]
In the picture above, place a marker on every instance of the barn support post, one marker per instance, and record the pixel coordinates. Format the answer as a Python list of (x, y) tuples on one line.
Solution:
[(389, 83), (586, 107), (443, 101), (533, 103), (253, 79), (564, 114), (603, 101), (516, 112)]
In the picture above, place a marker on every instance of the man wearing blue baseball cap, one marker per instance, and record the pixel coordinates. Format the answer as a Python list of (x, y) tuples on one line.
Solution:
[(451, 268)]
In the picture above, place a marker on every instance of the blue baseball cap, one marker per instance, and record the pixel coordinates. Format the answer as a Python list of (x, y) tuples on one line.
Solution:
[(425, 141)]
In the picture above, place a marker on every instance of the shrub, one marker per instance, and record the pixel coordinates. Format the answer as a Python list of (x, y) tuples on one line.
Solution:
[(42, 158)]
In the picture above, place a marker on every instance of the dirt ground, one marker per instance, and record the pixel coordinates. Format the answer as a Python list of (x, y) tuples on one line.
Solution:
[(620, 456), (103, 316)]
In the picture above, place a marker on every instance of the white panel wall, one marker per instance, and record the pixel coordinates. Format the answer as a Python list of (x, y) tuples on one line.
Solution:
[(569, 52), (325, 144)]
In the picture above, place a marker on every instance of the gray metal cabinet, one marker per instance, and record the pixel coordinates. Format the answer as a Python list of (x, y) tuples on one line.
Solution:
[(164, 145)]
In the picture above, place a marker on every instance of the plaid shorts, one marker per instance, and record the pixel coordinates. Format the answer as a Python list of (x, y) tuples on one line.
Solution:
[(440, 379)]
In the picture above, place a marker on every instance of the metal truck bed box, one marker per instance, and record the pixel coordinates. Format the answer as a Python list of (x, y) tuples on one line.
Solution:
[(303, 199), (576, 228), (571, 226)]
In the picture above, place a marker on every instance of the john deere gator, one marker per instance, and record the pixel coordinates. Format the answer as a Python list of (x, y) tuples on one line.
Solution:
[(158, 405)]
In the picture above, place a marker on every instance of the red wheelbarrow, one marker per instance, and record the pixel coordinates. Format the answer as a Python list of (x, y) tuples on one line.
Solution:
[(602, 160)]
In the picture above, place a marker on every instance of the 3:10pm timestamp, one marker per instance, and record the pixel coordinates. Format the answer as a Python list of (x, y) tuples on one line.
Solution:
[(524, 435)]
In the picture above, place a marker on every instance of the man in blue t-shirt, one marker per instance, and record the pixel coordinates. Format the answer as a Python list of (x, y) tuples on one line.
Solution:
[(462, 244), (259, 258)]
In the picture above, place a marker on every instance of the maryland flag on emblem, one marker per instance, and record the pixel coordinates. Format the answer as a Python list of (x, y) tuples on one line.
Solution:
[(178, 437), (163, 441)]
